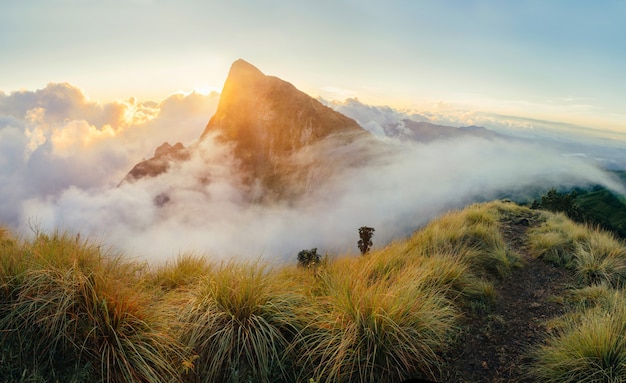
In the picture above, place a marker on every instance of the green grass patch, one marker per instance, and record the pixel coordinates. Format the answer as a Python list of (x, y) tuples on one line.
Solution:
[(373, 330), (595, 255)]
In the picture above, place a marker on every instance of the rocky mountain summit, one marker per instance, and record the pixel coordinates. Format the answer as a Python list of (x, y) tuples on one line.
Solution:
[(269, 122)]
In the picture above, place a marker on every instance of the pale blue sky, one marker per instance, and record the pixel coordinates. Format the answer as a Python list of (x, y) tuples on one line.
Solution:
[(558, 60)]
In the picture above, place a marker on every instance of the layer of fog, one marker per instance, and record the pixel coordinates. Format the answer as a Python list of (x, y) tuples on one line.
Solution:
[(60, 161)]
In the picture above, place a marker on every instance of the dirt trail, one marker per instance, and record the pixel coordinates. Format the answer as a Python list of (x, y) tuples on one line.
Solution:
[(495, 344)]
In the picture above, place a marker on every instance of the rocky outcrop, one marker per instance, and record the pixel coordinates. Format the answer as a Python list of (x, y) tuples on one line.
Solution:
[(164, 155)]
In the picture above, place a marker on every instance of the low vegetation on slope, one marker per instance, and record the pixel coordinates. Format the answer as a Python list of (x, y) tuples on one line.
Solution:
[(597, 206), (70, 310), (589, 343)]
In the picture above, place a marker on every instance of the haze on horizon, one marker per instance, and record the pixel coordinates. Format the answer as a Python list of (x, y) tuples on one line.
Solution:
[(560, 61)]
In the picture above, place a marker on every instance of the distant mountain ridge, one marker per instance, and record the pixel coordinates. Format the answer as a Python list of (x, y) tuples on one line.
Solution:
[(428, 132), (385, 122)]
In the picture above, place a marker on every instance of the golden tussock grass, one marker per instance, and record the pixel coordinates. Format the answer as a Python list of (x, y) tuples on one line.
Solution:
[(368, 326), (588, 347), (72, 310), (589, 342), (595, 255), (240, 324)]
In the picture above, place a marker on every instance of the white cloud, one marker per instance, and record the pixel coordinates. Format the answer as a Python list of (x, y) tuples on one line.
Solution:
[(208, 213), (56, 138), (372, 118)]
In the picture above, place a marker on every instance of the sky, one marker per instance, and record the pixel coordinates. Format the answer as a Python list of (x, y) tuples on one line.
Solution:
[(560, 60)]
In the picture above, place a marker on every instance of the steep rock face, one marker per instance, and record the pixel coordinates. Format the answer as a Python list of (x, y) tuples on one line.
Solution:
[(268, 120)]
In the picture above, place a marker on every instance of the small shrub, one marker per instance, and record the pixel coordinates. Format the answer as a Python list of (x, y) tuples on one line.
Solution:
[(365, 243), (560, 202), (308, 258)]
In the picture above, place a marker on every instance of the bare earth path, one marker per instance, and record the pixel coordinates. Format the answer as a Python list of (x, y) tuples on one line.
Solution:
[(494, 346)]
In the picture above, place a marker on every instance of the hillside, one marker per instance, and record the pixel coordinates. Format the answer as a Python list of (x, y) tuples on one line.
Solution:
[(492, 343), (595, 205), (491, 293), (605, 208)]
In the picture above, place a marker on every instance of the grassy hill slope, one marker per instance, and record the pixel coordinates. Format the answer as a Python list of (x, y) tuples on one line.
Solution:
[(605, 208), (596, 205), (493, 292)]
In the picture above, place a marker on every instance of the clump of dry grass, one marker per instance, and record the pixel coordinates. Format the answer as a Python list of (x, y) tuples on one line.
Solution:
[(601, 258), (187, 270), (73, 307), (595, 255), (588, 347), (589, 344), (472, 233), (240, 324), (367, 329), (590, 296), (555, 239)]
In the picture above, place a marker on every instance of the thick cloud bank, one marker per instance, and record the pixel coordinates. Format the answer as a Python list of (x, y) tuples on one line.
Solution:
[(56, 138), (63, 155)]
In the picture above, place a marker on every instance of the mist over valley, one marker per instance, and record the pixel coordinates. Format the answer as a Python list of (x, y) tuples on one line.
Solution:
[(274, 171)]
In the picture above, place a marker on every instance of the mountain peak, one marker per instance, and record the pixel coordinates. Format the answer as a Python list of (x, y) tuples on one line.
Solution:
[(267, 120), (242, 68)]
